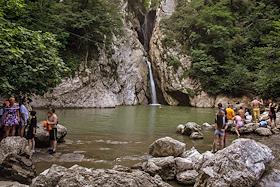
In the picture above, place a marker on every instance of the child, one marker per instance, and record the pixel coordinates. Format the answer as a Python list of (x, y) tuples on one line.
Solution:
[(31, 131), (238, 124), (219, 131)]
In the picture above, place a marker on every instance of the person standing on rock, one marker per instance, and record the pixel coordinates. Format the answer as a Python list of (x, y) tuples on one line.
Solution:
[(24, 115), (11, 117), (256, 104), (31, 131), (52, 122), (272, 113), (220, 128)]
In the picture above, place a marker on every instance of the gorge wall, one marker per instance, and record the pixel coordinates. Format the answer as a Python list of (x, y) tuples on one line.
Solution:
[(122, 78)]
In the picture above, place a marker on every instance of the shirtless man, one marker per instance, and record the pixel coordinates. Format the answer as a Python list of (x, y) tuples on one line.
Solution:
[(52, 121), (256, 104)]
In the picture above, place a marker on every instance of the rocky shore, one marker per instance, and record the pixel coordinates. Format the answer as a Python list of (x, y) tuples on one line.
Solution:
[(243, 163)]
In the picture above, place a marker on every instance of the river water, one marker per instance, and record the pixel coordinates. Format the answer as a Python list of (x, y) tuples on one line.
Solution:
[(122, 135)]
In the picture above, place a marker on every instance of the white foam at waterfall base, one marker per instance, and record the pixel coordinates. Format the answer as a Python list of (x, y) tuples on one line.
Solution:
[(152, 86)]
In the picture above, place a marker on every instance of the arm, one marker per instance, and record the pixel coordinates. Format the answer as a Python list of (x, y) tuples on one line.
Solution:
[(54, 122)]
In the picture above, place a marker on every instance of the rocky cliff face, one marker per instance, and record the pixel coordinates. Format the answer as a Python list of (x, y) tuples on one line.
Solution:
[(117, 79)]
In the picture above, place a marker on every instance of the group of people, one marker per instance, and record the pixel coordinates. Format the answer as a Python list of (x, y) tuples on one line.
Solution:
[(18, 119), (238, 117)]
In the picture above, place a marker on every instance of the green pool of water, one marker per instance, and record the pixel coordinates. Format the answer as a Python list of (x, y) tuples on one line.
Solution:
[(122, 135)]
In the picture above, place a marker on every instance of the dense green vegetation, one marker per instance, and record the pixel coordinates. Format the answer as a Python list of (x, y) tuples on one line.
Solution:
[(234, 44), (43, 40)]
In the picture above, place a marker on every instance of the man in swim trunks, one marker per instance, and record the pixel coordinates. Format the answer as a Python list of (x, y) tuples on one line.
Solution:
[(52, 121), (256, 104)]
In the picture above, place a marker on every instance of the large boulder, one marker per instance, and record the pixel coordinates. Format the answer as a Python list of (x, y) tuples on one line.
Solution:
[(187, 177), (240, 164), (262, 131), (166, 147), (191, 127), (80, 176), (192, 154), (163, 166), (15, 162), (42, 136), (183, 164), (270, 179)]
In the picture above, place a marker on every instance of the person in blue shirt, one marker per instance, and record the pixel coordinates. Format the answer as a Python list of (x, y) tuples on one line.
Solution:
[(24, 115)]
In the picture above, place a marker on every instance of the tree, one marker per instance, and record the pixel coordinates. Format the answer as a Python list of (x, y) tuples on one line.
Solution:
[(29, 59)]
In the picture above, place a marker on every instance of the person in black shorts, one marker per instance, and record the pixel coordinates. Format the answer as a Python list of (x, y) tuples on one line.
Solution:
[(52, 122), (31, 131)]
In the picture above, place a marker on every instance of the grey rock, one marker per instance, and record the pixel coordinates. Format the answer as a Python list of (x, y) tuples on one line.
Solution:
[(192, 154), (183, 164), (263, 131), (42, 136), (81, 176), (248, 128), (275, 131), (191, 127), (118, 77), (11, 184), (15, 162), (207, 126), (164, 167), (187, 177), (203, 158), (180, 129), (240, 164), (166, 147), (270, 179), (196, 135)]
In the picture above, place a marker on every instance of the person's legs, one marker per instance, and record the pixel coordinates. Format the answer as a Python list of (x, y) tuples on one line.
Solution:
[(254, 115), (237, 130), (21, 130), (33, 145), (13, 130), (7, 130), (258, 114)]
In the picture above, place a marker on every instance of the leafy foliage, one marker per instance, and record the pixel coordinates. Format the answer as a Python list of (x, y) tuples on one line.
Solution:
[(234, 44)]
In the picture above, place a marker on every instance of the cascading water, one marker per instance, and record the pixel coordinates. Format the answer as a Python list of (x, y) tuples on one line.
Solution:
[(152, 85)]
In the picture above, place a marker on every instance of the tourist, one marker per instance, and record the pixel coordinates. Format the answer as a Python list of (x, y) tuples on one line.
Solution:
[(24, 115), (238, 121), (241, 113), (11, 117), (256, 104), (272, 113), (248, 116), (219, 130), (52, 123), (31, 131), (230, 114)]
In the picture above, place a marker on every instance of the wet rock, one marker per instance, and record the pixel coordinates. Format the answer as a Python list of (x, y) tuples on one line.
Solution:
[(263, 131), (191, 127), (180, 129), (196, 135), (15, 162), (166, 147), (207, 126), (187, 177), (240, 164), (203, 158), (81, 176), (183, 164), (42, 136), (164, 167), (270, 179)]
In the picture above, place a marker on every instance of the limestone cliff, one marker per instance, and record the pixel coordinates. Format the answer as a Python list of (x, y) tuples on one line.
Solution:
[(116, 79)]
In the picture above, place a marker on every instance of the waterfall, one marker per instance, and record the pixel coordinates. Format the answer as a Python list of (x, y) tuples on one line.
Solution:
[(152, 85)]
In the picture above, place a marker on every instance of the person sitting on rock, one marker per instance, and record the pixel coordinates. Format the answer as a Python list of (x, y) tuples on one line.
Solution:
[(238, 121), (241, 113), (31, 131), (230, 114), (248, 116), (219, 130)]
